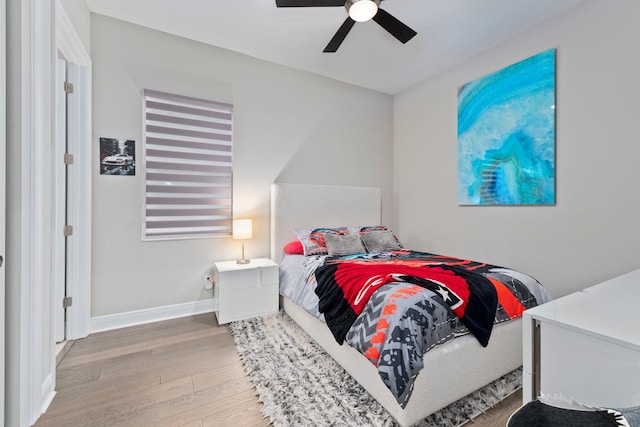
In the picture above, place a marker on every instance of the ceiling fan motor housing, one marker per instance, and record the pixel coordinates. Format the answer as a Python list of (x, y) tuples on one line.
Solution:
[(362, 10)]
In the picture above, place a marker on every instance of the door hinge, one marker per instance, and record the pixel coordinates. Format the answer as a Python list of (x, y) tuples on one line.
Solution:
[(67, 302), (68, 87), (67, 230), (68, 158)]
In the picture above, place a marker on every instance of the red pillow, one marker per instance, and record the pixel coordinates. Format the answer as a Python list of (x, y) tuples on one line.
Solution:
[(294, 248)]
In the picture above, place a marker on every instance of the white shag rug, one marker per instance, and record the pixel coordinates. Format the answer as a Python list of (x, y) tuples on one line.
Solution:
[(300, 385)]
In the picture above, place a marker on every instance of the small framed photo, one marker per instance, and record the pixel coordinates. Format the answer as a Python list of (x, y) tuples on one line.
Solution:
[(117, 156)]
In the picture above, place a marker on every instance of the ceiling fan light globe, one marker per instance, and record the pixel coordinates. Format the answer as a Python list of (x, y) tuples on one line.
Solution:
[(362, 10)]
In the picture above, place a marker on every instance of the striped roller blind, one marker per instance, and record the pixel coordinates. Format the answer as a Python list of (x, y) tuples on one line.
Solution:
[(188, 169)]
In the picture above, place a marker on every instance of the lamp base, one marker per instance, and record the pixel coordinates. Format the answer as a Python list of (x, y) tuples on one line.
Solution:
[(242, 260)]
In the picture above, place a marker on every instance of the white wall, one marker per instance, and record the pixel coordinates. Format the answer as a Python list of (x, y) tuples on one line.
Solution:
[(289, 126), (592, 233)]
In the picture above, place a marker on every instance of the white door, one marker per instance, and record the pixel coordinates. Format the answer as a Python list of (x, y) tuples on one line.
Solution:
[(78, 177), (59, 189)]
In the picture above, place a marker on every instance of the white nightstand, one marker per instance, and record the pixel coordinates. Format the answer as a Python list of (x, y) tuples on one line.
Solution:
[(245, 290)]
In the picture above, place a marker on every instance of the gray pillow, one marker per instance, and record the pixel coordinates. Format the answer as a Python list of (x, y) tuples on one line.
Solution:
[(346, 244), (380, 241)]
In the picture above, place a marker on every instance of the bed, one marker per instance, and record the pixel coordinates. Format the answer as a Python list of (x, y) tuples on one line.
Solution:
[(451, 370)]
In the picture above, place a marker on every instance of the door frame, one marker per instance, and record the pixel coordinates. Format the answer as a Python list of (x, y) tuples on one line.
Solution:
[(31, 384), (36, 380), (3, 162)]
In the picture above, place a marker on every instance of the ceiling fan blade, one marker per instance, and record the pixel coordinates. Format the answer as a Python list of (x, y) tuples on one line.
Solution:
[(396, 28), (309, 3), (340, 35)]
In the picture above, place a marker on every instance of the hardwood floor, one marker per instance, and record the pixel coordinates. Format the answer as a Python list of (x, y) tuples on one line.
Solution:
[(182, 372), (499, 414)]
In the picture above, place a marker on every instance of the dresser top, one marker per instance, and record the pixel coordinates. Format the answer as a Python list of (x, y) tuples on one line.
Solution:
[(254, 263), (609, 310)]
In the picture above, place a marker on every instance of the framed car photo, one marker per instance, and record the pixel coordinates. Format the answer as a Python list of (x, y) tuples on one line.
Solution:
[(117, 156)]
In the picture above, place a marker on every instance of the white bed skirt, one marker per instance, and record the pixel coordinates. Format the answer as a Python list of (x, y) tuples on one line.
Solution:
[(450, 372)]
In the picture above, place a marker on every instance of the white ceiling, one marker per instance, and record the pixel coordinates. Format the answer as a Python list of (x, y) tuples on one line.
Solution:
[(449, 32)]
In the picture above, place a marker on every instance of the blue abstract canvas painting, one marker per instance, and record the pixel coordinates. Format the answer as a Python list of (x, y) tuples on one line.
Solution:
[(506, 135)]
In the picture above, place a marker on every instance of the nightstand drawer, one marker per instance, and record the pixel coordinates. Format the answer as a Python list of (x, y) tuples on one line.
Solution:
[(245, 303), (246, 278)]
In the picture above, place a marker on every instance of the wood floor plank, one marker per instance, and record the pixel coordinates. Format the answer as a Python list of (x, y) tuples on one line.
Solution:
[(201, 365), (102, 409), (249, 417), (80, 375), (192, 359), (159, 414), (133, 348), (216, 409), (218, 375), (120, 338), (75, 398), (499, 414), (178, 373)]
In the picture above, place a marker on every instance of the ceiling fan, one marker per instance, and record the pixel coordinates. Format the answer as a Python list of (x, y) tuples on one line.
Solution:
[(359, 11)]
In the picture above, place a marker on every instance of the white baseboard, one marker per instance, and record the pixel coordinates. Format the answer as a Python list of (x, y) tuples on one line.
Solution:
[(149, 315), (48, 392)]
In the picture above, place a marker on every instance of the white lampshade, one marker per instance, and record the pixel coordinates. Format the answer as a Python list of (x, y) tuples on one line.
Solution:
[(362, 10), (242, 229)]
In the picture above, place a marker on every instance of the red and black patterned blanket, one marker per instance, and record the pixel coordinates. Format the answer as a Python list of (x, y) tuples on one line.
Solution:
[(345, 285)]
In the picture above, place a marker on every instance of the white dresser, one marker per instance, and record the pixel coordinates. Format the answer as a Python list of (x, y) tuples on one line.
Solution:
[(245, 290), (586, 345)]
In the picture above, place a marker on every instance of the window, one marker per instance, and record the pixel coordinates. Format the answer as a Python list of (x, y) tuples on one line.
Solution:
[(188, 169)]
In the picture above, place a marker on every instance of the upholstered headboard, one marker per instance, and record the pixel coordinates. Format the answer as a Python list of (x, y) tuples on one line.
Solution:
[(298, 206)]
